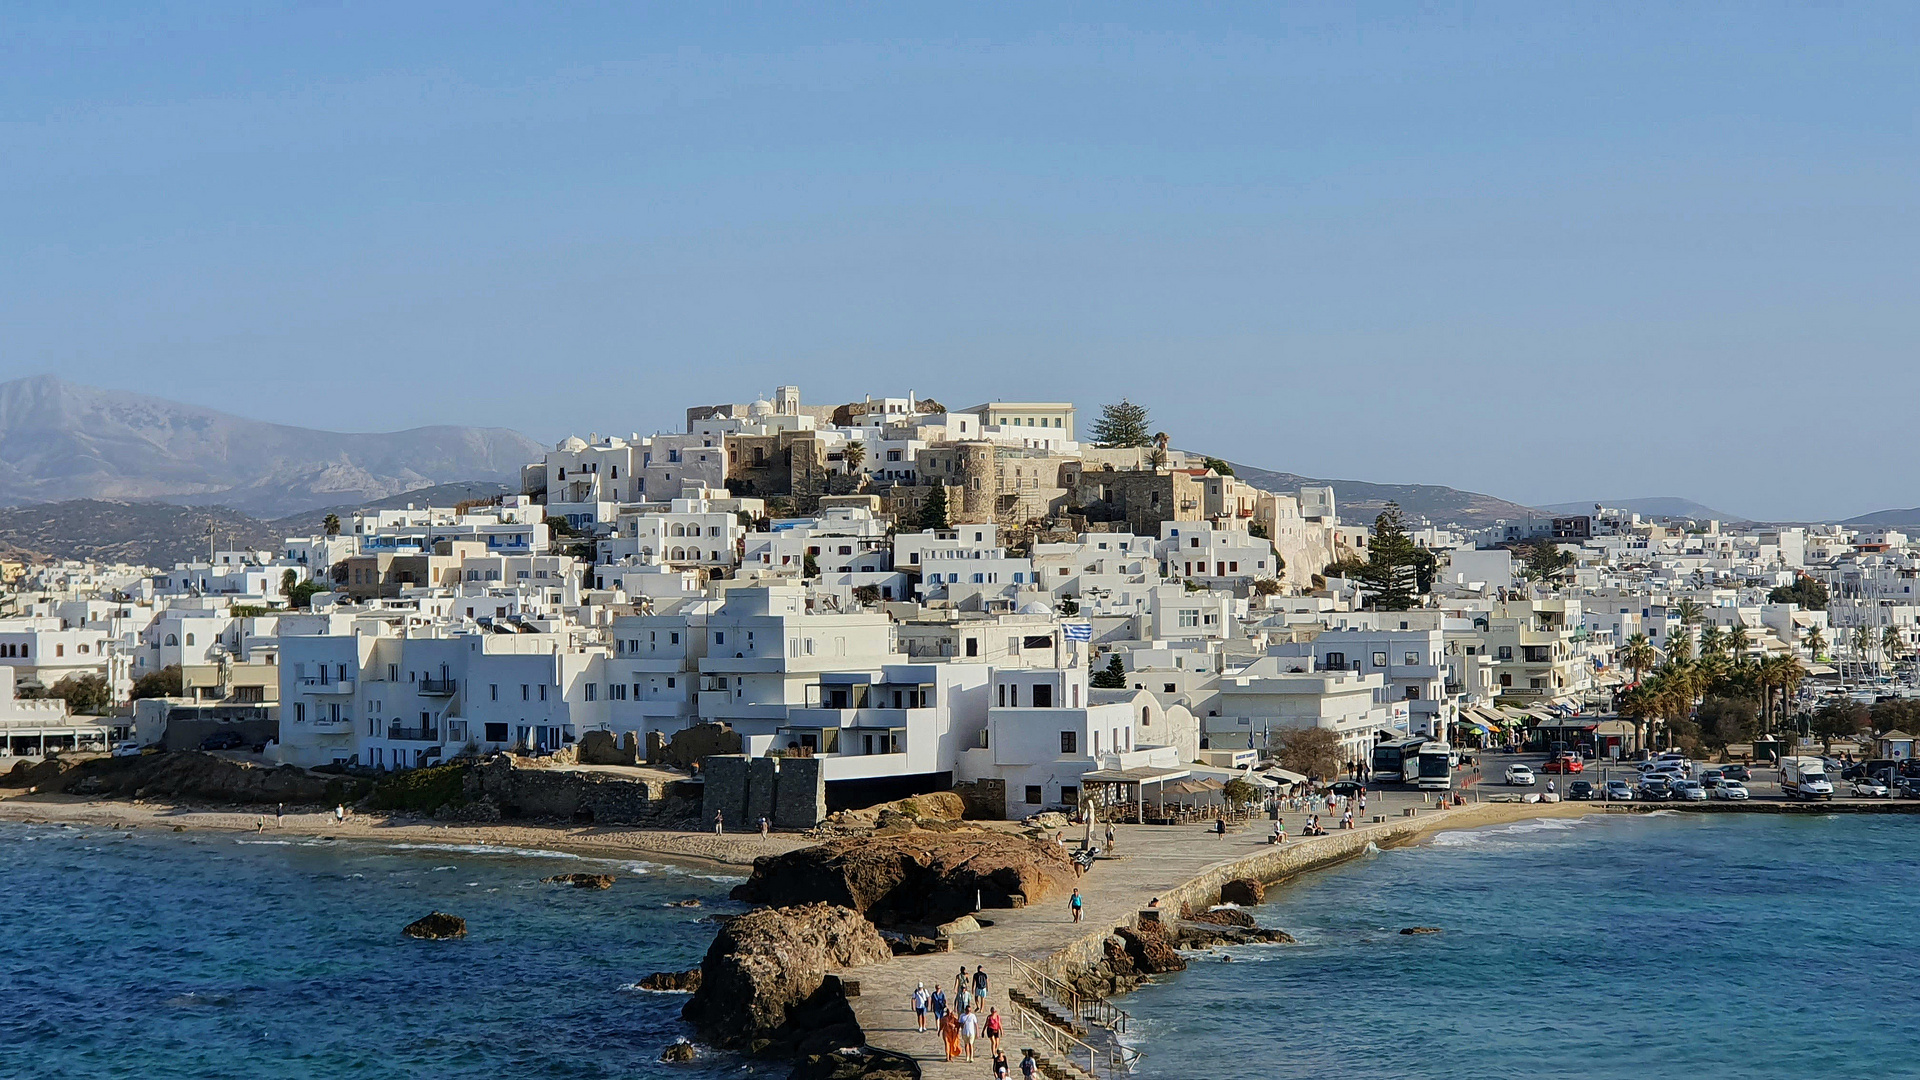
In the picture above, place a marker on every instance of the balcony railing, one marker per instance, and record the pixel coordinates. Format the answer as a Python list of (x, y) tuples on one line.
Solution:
[(326, 686), (437, 687), (413, 734)]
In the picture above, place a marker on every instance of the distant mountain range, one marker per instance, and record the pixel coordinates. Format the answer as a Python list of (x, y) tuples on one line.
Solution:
[(60, 441), (1663, 506), (1887, 519), (1359, 502), (161, 534)]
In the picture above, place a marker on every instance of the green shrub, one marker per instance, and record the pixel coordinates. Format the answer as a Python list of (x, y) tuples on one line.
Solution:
[(420, 790)]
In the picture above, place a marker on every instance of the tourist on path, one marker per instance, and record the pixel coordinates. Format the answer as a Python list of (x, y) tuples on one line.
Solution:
[(969, 1031), (1109, 838), (280, 815), (994, 1028), (1029, 1068), (719, 824), (980, 984), (1000, 1066), (950, 1035), (1220, 828), (939, 1005), (920, 1006), (961, 982), (765, 825), (1075, 902), (963, 1001)]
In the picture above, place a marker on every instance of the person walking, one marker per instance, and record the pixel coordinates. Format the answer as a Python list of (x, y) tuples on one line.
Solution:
[(961, 982), (938, 1003), (280, 815), (765, 826), (1075, 902), (340, 813), (995, 1027), (969, 1031), (999, 1066), (1109, 838), (980, 984), (920, 1006), (963, 1000), (950, 1035), (1029, 1068), (719, 824), (1220, 827)]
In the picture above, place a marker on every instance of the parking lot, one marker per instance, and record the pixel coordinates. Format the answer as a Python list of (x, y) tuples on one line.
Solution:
[(1764, 782)]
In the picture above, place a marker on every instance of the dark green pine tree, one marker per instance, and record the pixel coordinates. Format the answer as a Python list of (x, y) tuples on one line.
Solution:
[(1391, 569), (1124, 424)]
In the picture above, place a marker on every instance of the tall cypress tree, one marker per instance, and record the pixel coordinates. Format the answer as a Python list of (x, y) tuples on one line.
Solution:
[(1391, 569), (933, 512)]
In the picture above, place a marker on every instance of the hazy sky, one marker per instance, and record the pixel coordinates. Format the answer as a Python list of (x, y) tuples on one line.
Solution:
[(1548, 255)]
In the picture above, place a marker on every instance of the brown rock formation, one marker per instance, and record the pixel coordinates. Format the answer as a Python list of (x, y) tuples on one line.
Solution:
[(672, 982), (678, 1053), (1149, 949), (920, 878), (436, 926), (1421, 930), (1222, 917), (766, 984), (1243, 891), (580, 881)]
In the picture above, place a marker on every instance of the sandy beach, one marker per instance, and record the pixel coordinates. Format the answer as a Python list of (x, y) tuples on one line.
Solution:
[(699, 849)]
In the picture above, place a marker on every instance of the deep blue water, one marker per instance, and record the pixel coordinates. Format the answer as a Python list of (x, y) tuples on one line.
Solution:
[(1664, 946), (160, 955)]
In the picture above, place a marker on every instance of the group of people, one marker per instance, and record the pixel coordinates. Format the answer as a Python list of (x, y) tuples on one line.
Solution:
[(958, 1019)]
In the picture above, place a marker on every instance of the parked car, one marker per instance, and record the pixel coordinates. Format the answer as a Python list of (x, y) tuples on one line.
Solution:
[(1910, 787), (1519, 776), (1737, 772), (1689, 791), (1347, 788), (1564, 765), (129, 748), (1730, 789), (221, 740), (1580, 789), (1867, 787), (1619, 791), (1654, 789), (1712, 778)]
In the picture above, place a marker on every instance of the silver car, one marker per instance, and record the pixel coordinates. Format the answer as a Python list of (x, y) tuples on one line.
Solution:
[(1730, 789), (1868, 788), (1689, 791)]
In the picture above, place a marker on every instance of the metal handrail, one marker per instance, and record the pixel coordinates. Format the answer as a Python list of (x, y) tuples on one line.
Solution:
[(1119, 1059), (1104, 1013)]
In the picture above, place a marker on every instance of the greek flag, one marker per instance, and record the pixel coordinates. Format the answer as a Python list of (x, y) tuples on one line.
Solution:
[(1077, 631)]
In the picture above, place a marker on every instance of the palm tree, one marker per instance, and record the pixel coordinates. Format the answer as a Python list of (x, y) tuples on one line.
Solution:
[(332, 524), (1816, 643), (1639, 655), (1713, 641), (1737, 641), (1862, 645), (1680, 645), (1892, 644), (1640, 704), (855, 454), (1687, 610), (1791, 674)]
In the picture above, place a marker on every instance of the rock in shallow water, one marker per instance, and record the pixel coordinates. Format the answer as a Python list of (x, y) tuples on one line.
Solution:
[(681, 1051), (437, 926), (581, 881), (684, 982), (1421, 930)]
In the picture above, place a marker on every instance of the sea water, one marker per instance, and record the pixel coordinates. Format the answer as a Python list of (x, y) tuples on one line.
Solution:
[(1671, 945), (158, 955)]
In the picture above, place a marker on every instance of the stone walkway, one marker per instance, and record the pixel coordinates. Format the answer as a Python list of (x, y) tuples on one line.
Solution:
[(1150, 861)]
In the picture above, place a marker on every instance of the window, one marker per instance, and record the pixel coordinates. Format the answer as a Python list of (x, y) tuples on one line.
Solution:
[(543, 691), (1034, 795), (525, 693), (1336, 661), (1379, 659), (593, 691), (496, 733), (719, 638), (1069, 742), (1412, 659), (973, 646), (1413, 693), (1070, 794), (1042, 641), (1506, 652), (1146, 717), (1506, 679), (1166, 688), (1189, 617), (1043, 696)]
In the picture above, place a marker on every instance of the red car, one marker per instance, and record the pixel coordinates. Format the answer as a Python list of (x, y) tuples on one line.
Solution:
[(1565, 765)]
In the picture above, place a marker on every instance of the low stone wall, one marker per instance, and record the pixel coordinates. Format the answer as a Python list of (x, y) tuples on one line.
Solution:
[(791, 792), (1270, 864), (569, 795)]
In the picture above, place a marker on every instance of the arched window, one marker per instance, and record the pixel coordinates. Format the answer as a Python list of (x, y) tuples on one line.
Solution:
[(171, 640), (189, 639), (1146, 716)]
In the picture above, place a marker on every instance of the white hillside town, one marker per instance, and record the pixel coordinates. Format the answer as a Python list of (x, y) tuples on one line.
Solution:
[(1015, 597)]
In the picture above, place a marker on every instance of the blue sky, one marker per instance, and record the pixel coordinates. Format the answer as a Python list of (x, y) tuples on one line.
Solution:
[(1542, 251)]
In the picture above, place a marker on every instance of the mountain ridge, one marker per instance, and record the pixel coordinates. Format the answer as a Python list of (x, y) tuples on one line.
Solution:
[(1360, 501), (60, 441)]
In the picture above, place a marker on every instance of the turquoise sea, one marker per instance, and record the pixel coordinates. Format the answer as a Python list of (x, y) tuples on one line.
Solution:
[(1660, 946), (156, 955)]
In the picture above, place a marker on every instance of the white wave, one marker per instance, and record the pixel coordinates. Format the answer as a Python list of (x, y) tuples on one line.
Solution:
[(487, 849), (636, 988), (267, 843), (449, 866), (473, 884)]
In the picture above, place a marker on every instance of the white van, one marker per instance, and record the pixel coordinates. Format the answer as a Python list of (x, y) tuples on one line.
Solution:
[(1805, 778)]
